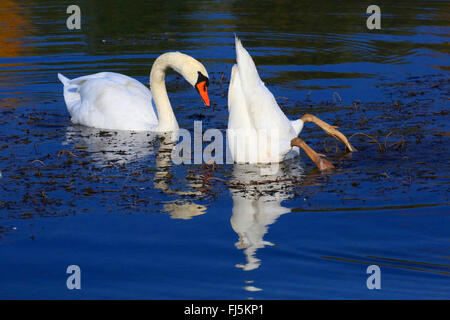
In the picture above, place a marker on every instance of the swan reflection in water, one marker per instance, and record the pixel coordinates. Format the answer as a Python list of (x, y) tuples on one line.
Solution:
[(257, 192), (178, 209), (108, 148)]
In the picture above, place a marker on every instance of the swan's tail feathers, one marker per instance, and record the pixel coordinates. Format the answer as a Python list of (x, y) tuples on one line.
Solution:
[(71, 94), (63, 79), (247, 68), (297, 125)]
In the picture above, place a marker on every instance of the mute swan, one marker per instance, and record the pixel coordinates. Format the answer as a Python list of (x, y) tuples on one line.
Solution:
[(109, 100), (258, 131)]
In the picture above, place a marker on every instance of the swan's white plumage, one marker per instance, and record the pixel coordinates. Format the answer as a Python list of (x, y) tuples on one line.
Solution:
[(109, 100), (258, 130)]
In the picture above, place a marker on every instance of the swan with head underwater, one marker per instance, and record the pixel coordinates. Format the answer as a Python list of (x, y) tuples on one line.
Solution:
[(258, 130), (113, 101)]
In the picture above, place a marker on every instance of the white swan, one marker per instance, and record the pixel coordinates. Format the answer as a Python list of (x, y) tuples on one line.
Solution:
[(109, 100), (258, 131)]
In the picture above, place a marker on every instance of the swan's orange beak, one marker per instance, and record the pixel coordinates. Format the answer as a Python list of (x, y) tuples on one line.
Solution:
[(203, 91)]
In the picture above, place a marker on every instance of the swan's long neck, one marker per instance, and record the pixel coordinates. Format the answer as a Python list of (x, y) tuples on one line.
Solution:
[(166, 117)]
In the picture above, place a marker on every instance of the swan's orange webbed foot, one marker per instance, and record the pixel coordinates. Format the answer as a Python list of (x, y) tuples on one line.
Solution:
[(318, 158), (324, 164), (331, 130)]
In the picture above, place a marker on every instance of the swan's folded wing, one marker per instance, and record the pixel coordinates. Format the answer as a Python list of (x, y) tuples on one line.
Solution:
[(115, 105), (135, 87), (72, 87), (241, 135), (237, 106), (109, 100)]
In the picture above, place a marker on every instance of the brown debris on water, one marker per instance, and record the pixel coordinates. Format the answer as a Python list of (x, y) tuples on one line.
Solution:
[(65, 151)]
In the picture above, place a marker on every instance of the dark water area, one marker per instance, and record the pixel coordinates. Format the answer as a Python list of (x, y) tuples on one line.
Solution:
[(141, 227)]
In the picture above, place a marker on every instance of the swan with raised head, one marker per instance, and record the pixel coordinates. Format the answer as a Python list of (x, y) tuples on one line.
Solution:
[(258, 130), (113, 101)]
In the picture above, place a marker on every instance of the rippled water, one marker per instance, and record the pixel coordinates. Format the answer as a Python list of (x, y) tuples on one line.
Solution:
[(141, 227)]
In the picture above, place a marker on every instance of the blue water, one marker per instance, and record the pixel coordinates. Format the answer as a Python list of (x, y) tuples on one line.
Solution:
[(141, 227)]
